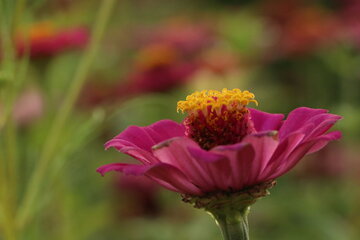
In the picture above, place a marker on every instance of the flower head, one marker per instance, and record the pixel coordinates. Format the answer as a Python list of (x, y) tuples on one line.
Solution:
[(222, 145), (45, 40), (217, 118), (167, 58)]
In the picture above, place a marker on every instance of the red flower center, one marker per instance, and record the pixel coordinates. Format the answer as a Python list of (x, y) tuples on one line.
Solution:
[(217, 118)]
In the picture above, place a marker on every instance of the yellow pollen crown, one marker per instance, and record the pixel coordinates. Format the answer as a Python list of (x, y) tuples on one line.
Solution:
[(216, 99)]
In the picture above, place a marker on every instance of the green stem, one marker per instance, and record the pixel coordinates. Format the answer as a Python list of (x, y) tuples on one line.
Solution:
[(9, 68), (230, 209), (12, 162), (64, 112), (233, 224)]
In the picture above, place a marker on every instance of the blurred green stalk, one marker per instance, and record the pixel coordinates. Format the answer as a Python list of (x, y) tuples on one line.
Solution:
[(11, 77), (51, 144)]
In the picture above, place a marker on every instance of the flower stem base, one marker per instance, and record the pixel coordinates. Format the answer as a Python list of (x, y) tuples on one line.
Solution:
[(230, 209), (234, 225)]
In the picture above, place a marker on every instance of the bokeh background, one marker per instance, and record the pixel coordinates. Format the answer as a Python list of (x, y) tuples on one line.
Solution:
[(152, 53)]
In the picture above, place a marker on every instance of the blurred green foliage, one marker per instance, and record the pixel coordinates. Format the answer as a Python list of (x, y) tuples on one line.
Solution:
[(77, 203)]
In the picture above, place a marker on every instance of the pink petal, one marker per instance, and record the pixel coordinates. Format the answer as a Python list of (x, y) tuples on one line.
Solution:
[(205, 156), (322, 123), (317, 125), (166, 175), (264, 145), (131, 150), (176, 153), (118, 144), (119, 167), (239, 156), (217, 166), (284, 149), (146, 137), (297, 119), (137, 141), (303, 149), (134, 136), (264, 121), (166, 129), (323, 140)]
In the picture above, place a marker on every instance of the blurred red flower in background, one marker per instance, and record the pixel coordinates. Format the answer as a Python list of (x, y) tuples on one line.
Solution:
[(350, 20), (45, 40), (138, 196), (300, 27), (158, 68), (329, 163), (166, 58), (219, 61)]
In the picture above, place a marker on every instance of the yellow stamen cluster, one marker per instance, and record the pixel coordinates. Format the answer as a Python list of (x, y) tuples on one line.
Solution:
[(215, 99)]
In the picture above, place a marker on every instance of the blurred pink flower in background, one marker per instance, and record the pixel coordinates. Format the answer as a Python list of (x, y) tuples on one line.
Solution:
[(222, 145), (138, 196), (166, 58), (95, 93), (329, 163), (28, 107), (219, 61), (45, 40), (159, 79), (300, 27), (350, 19), (158, 68)]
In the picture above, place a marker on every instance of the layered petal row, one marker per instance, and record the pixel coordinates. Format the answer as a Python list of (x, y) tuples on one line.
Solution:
[(178, 163)]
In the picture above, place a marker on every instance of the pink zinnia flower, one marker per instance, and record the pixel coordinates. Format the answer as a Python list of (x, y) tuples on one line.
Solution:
[(222, 145), (28, 107), (44, 40)]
